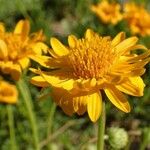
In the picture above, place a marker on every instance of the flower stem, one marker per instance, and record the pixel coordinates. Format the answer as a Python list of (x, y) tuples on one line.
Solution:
[(101, 129), (26, 96), (11, 127), (50, 118), (50, 121)]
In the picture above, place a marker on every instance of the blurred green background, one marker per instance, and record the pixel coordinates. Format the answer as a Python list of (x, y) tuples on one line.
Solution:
[(57, 131)]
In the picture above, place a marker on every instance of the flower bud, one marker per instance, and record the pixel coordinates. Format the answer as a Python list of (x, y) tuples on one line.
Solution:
[(118, 137)]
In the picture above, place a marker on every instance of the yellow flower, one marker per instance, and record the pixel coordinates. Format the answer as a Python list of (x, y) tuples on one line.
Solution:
[(138, 19), (17, 46), (8, 93), (91, 65), (108, 12)]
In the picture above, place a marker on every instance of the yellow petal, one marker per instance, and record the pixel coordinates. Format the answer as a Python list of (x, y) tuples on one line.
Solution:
[(3, 50), (2, 27), (16, 72), (23, 28), (130, 64), (117, 98), (133, 86), (139, 64), (58, 94), (52, 80), (40, 47), (89, 34), (8, 99), (94, 106), (63, 99), (138, 57), (52, 53), (131, 73), (118, 38), (79, 104), (59, 81), (87, 83), (72, 41), (93, 82), (39, 81), (36, 71), (8, 93), (24, 63), (66, 103), (67, 85), (139, 46), (6, 66), (114, 79), (58, 47), (126, 45), (137, 72), (45, 61)]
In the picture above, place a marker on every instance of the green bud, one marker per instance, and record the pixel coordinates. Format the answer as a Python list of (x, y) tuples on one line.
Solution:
[(118, 137)]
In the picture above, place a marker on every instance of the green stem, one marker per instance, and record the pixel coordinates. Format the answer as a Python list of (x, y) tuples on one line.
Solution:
[(146, 138), (50, 120), (101, 129), (26, 96), (11, 127)]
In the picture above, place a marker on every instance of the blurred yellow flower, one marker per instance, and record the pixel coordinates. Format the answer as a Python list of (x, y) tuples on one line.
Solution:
[(138, 19), (108, 12), (89, 65), (8, 93), (17, 46)]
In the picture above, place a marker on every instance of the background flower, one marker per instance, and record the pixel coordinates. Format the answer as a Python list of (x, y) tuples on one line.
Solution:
[(17, 46), (108, 12), (8, 92), (138, 18)]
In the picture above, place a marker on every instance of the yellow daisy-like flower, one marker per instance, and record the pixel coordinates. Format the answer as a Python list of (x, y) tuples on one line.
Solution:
[(89, 65), (17, 46), (138, 19), (8, 93), (108, 12)]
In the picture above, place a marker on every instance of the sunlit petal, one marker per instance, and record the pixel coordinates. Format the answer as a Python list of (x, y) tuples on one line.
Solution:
[(118, 38), (79, 104), (8, 93), (3, 50), (39, 81), (58, 47), (23, 28), (126, 45), (24, 63), (16, 72), (118, 99), (133, 86), (94, 106), (72, 41)]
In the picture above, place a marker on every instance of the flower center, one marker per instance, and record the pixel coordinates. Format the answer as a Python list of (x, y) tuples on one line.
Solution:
[(92, 57)]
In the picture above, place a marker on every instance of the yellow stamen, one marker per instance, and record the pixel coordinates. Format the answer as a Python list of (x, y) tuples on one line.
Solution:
[(92, 58)]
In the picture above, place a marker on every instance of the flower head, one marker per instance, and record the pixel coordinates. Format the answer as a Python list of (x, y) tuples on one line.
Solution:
[(89, 65), (17, 46), (8, 93), (108, 12), (138, 19)]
